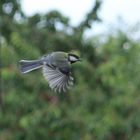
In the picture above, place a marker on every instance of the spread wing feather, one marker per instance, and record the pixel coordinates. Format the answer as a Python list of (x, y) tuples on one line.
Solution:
[(57, 80)]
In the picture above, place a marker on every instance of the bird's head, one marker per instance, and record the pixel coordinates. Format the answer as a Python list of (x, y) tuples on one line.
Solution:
[(72, 58)]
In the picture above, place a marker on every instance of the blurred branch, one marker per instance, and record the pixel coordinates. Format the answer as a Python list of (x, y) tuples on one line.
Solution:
[(91, 17), (11, 12)]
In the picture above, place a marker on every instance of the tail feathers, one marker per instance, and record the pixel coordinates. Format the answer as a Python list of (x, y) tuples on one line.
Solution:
[(29, 65)]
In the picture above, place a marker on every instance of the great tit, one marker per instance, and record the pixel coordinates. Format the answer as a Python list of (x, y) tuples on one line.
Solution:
[(56, 69)]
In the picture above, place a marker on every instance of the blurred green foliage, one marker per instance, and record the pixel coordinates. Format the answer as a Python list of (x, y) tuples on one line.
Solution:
[(104, 103)]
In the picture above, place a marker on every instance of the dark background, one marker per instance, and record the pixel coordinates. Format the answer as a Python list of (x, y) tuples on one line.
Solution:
[(103, 104)]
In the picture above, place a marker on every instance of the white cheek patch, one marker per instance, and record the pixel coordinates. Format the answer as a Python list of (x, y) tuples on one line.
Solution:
[(72, 58)]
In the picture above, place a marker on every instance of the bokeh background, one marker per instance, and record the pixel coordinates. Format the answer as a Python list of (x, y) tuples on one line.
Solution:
[(103, 104)]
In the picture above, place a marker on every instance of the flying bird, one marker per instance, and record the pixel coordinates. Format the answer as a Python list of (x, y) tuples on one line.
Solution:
[(56, 69)]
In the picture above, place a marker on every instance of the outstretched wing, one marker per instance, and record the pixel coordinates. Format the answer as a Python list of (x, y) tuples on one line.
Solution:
[(58, 80)]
